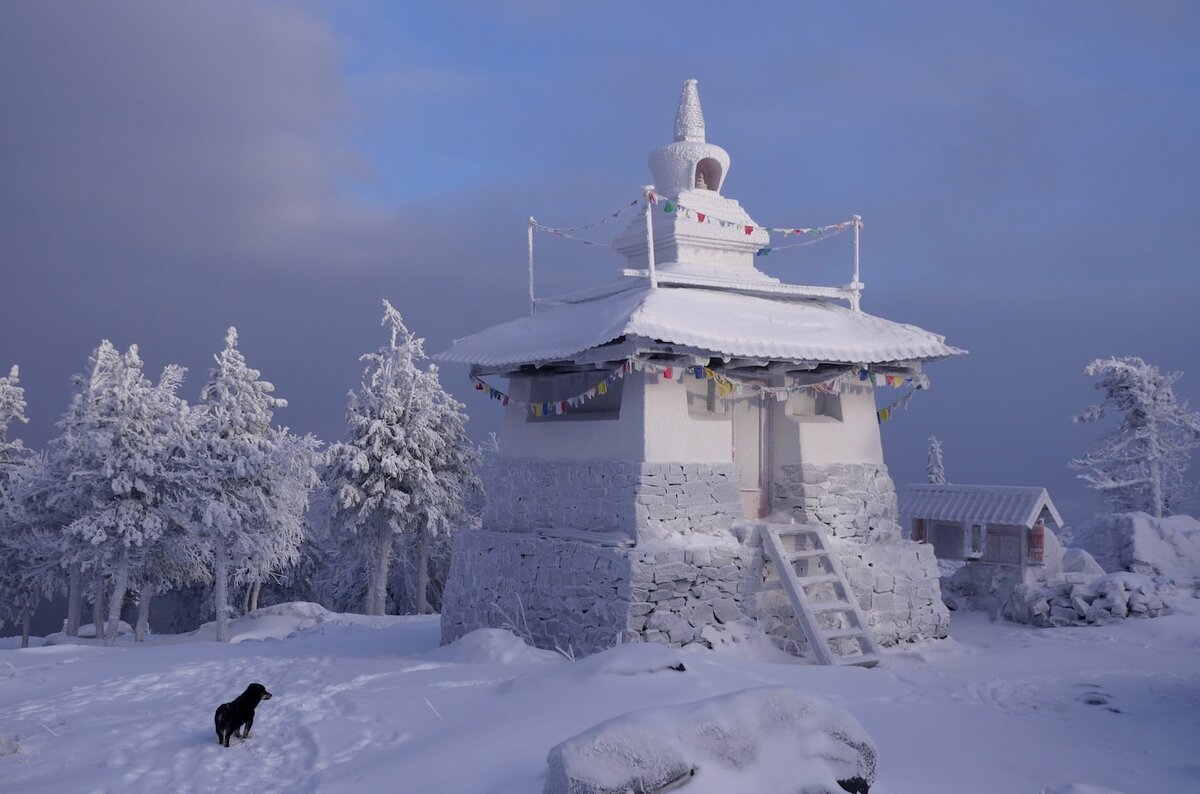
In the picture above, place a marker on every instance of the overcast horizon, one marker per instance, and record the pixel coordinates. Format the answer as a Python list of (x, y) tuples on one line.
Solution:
[(1028, 175)]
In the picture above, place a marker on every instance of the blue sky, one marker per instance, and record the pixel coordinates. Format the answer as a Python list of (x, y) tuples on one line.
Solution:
[(1028, 175)]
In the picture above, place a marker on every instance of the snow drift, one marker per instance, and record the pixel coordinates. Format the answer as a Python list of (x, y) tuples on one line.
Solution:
[(1168, 547)]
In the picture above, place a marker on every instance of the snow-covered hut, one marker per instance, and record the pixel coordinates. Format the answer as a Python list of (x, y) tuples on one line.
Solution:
[(994, 524), (652, 423)]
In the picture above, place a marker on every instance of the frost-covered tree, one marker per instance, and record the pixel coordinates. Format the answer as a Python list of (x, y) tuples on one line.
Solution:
[(19, 593), (402, 471), (1142, 463), (252, 480), (121, 460), (934, 468)]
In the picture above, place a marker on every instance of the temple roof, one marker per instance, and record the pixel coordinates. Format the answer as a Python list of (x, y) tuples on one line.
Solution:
[(721, 323)]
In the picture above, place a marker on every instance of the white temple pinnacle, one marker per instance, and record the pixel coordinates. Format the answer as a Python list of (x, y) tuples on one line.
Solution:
[(689, 119)]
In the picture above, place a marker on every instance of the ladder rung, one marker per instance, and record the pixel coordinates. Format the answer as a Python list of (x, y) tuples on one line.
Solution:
[(828, 578), (806, 554), (831, 606), (792, 531), (838, 634), (864, 660)]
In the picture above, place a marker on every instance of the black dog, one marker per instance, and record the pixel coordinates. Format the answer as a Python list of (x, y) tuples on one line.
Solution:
[(230, 717)]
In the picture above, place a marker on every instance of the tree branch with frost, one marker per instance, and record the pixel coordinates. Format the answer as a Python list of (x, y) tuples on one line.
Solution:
[(1141, 464)]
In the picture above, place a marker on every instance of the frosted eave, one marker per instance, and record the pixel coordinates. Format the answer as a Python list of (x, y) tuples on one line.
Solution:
[(727, 324), (1010, 505)]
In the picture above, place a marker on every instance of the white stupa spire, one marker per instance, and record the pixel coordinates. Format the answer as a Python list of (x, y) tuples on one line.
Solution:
[(689, 162), (689, 119)]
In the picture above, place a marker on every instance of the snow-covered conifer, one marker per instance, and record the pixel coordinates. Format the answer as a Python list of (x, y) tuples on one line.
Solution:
[(404, 465), (20, 586), (121, 454), (934, 468), (1141, 464), (252, 480)]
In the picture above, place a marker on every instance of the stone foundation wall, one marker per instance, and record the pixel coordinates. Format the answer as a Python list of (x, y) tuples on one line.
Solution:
[(679, 592), (585, 597), (679, 569), (897, 588), (896, 585), (854, 500), (641, 500)]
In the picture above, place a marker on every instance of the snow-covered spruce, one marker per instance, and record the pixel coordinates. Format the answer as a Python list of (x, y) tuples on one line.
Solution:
[(22, 578), (935, 469), (251, 481), (119, 457), (1142, 463), (402, 471)]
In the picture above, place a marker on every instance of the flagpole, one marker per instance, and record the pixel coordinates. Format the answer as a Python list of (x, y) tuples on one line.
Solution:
[(649, 191), (856, 287), (532, 303)]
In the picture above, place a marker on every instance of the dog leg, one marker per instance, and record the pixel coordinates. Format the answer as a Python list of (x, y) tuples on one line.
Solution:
[(246, 729)]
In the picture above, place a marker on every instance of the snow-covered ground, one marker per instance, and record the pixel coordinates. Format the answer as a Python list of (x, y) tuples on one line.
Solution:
[(373, 704)]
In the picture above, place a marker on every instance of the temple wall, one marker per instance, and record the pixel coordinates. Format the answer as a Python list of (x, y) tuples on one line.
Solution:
[(855, 501), (640, 500), (583, 597)]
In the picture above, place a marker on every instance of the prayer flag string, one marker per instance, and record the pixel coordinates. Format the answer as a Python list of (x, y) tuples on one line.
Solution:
[(726, 388), (809, 234)]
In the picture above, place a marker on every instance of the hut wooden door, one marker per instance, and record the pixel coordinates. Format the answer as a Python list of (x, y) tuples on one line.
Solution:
[(750, 453)]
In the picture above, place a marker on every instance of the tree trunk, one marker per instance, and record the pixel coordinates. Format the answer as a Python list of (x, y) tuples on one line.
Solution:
[(377, 586), (221, 589), (1156, 476), (120, 585), (26, 620), (74, 600), (423, 541), (143, 618), (98, 606), (255, 589)]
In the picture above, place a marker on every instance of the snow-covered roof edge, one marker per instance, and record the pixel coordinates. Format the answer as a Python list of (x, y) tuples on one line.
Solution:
[(1013, 505)]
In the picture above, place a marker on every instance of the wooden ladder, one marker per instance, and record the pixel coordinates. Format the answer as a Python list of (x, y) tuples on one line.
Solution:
[(804, 562)]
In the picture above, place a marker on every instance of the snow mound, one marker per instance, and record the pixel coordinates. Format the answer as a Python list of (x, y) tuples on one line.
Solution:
[(89, 629), (86, 632), (1079, 561), (768, 739), (281, 621), (491, 646), (1167, 547)]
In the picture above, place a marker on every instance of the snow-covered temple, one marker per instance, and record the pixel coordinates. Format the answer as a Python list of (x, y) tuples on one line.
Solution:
[(694, 444)]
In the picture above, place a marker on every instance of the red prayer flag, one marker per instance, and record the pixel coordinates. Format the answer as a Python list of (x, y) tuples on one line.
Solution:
[(700, 216), (749, 230), (667, 373)]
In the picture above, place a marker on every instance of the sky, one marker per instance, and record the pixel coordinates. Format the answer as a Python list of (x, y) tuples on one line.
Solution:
[(1028, 175)]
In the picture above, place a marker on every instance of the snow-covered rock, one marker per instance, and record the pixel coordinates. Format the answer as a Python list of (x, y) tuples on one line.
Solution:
[(89, 629), (1080, 561), (768, 739), (1076, 599), (1167, 547)]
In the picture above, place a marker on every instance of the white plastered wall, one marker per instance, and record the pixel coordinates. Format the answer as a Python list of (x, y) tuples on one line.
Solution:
[(819, 440), (653, 427)]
